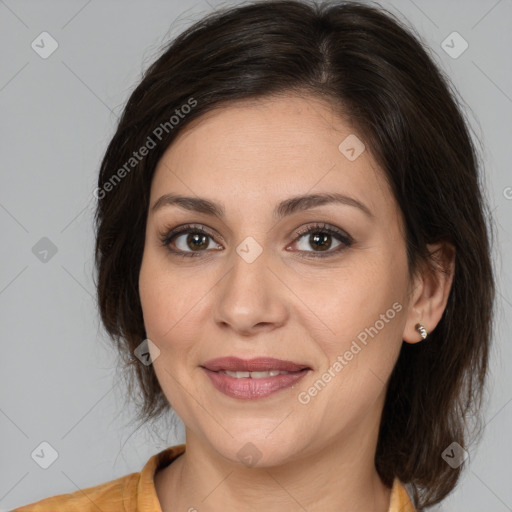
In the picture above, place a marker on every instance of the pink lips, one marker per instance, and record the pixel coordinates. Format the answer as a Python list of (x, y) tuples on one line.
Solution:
[(252, 388)]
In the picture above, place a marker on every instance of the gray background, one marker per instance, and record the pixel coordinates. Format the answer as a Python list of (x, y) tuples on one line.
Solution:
[(58, 372)]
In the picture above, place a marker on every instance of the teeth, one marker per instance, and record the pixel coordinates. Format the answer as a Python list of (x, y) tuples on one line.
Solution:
[(238, 375), (254, 375)]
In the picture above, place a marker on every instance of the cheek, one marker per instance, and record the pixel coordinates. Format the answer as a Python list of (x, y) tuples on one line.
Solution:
[(359, 359), (356, 298), (168, 312), (364, 318), (156, 306), (167, 301)]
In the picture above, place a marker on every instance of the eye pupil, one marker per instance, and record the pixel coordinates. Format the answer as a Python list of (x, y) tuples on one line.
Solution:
[(198, 240), (320, 240)]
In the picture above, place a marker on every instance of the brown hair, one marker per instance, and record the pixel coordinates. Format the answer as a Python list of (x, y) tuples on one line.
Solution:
[(371, 67)]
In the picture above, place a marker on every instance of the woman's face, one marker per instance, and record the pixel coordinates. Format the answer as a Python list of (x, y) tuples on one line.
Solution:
[(256, 284)]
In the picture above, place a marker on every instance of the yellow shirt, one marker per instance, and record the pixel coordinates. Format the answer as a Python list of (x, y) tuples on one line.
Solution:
[(136, 492)]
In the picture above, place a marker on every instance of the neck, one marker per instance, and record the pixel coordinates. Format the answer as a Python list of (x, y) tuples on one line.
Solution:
[(341, 477)]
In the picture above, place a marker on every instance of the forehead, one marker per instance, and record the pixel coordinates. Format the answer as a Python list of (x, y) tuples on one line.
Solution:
[(263, 150)]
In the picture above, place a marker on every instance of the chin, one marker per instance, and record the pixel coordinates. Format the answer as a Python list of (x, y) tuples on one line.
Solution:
[(253, 450)]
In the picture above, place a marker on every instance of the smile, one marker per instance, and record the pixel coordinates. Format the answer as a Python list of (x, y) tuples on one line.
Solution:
[(254, 375)]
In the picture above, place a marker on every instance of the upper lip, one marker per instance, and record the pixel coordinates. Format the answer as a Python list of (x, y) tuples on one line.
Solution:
[(258, 364)]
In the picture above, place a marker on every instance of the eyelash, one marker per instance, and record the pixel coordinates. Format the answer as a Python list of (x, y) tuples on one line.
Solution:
[(346, 240)]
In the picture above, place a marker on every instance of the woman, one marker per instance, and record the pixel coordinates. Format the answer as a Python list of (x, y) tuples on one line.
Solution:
[(292, 253)]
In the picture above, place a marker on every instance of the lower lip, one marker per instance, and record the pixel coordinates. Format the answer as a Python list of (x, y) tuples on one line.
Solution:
[(252, 389)]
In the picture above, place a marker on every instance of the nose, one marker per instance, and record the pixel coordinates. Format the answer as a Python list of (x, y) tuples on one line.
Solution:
[(251, 299)]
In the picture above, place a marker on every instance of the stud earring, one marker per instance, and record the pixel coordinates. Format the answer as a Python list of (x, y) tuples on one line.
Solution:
[(421, 329)]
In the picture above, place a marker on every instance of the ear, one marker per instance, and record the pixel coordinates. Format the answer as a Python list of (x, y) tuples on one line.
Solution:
[(430, 291)]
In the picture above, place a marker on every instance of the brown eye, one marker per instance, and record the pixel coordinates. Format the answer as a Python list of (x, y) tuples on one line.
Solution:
[(188, 241), (197, 241), (319, 239)]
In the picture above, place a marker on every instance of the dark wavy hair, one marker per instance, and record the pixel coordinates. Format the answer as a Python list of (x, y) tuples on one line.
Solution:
[(378, 74)]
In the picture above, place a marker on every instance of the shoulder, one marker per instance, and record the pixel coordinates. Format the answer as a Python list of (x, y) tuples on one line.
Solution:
[(133, 492), (400, 499), (116, 495)]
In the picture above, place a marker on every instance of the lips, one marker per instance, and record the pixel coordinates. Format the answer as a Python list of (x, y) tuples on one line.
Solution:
[(252, 379), (258, 364)]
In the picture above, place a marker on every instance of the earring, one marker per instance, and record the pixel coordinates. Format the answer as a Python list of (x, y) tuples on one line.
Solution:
[(421, 329)]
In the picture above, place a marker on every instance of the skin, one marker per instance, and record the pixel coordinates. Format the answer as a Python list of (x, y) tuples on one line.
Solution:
[(315, 456)]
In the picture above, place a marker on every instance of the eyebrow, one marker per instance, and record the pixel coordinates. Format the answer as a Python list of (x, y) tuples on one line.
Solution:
[(283, 209)]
